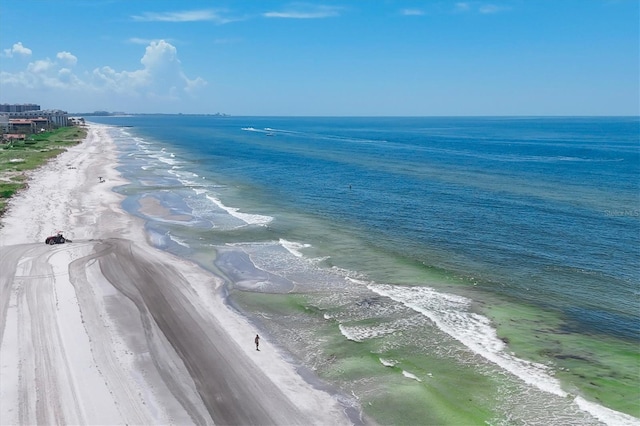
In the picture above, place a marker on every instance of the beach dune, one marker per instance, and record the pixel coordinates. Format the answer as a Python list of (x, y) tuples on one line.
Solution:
[(109, 330)]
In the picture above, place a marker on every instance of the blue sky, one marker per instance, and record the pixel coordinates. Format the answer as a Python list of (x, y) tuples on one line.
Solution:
[(335, 58)]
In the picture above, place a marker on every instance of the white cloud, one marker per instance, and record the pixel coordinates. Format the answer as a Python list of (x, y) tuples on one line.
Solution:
[(40, 66), (41, 75), (137, 40), (144, 41), (184, 16), (490, 8), (304, 11), (477, 7), (160, 54), (11, 79), (67, 58), (463, 7), (160, 76), (412, 12), (124, 82), (194, 85), (67, 76), (17, 49), (68, 79)]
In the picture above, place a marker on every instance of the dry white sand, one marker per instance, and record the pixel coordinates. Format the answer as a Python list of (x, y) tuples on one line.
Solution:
[(109, 330)]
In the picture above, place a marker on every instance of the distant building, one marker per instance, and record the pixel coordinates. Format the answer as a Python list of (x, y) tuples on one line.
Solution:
[(8, 137), (28, 119), (41, 124), (4, 123), (19, 107), (22, 125), (57, 118)]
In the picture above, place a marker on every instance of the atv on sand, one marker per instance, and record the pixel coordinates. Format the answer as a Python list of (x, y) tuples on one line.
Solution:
[(56, 239)]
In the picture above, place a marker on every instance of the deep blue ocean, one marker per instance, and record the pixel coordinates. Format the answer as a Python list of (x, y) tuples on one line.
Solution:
[(433, 270)]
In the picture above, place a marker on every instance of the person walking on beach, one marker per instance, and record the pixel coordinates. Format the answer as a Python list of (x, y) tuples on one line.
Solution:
[(257, 340)]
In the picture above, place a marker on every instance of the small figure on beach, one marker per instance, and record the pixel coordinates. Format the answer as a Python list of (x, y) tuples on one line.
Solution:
[(257, 340)]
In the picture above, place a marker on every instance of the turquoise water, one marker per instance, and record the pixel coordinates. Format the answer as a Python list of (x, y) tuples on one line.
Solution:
[(437, 270)]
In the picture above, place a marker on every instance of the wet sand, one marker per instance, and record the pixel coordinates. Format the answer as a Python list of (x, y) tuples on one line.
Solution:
[(151, 206), (109, 330)]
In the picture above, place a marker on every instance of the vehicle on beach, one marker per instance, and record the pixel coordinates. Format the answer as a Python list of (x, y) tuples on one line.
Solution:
[(56, 239)]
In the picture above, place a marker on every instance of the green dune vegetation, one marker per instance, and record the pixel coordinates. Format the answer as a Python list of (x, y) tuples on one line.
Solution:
[(17, 157)]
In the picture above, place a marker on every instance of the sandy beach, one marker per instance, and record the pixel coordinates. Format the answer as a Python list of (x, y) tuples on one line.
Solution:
[(109, 330)]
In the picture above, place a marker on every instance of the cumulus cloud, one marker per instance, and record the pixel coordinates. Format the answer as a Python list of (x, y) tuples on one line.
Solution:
[(160, 75), (160, 54), (40, 66), (68, 78), (194, 85), (163, 66), (122, 82), (67, 58), (17, 49)]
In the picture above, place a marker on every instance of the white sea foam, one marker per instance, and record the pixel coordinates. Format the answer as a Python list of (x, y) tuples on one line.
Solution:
[(293, 247), (605, 414), (388, 362), (185, 177), (359, 281), (410, 375), (250, 219), (360, 333), (349, 333), (166, 160), (178, 240), (266, 130), (451, 314)]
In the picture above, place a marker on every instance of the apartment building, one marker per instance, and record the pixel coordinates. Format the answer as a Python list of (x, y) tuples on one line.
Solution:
[(12, 118), (19, 107)]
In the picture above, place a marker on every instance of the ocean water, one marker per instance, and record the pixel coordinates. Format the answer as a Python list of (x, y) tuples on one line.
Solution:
[(433, 270)]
